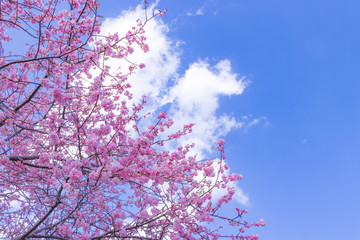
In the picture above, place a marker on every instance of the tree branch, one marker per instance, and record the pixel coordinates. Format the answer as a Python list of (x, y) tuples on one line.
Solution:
[(29, 98), (22, 158), (45, 236), (25, 235)]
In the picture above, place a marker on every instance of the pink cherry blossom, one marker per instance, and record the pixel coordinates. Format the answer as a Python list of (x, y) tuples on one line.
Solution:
[(77, 161)]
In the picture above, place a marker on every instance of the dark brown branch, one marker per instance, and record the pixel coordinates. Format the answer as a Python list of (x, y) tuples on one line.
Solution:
[(29, 129), (22, 158), (41, 58), (28, 99), (124, 237), (36, 166), (45, 236), (19, 26), (3, 121)]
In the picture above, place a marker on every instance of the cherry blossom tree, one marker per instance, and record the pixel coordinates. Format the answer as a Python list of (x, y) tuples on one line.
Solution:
[(76, 161)]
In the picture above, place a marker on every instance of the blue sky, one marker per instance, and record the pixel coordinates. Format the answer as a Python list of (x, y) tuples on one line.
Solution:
[(295, 128)]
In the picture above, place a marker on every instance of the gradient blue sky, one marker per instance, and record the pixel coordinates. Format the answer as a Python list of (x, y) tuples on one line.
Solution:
[(301, 165)]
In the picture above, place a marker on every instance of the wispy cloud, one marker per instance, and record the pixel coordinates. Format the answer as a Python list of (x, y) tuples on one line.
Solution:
[(250, 121), (198, 12), (191, 96)]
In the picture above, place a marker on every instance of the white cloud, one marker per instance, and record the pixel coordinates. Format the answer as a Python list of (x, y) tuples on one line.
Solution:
[(250, 121), (193, 96), (195, 99), (198, 12)]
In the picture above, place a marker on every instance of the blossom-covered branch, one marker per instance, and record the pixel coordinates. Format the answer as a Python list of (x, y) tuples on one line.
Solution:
[(76, 161)]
